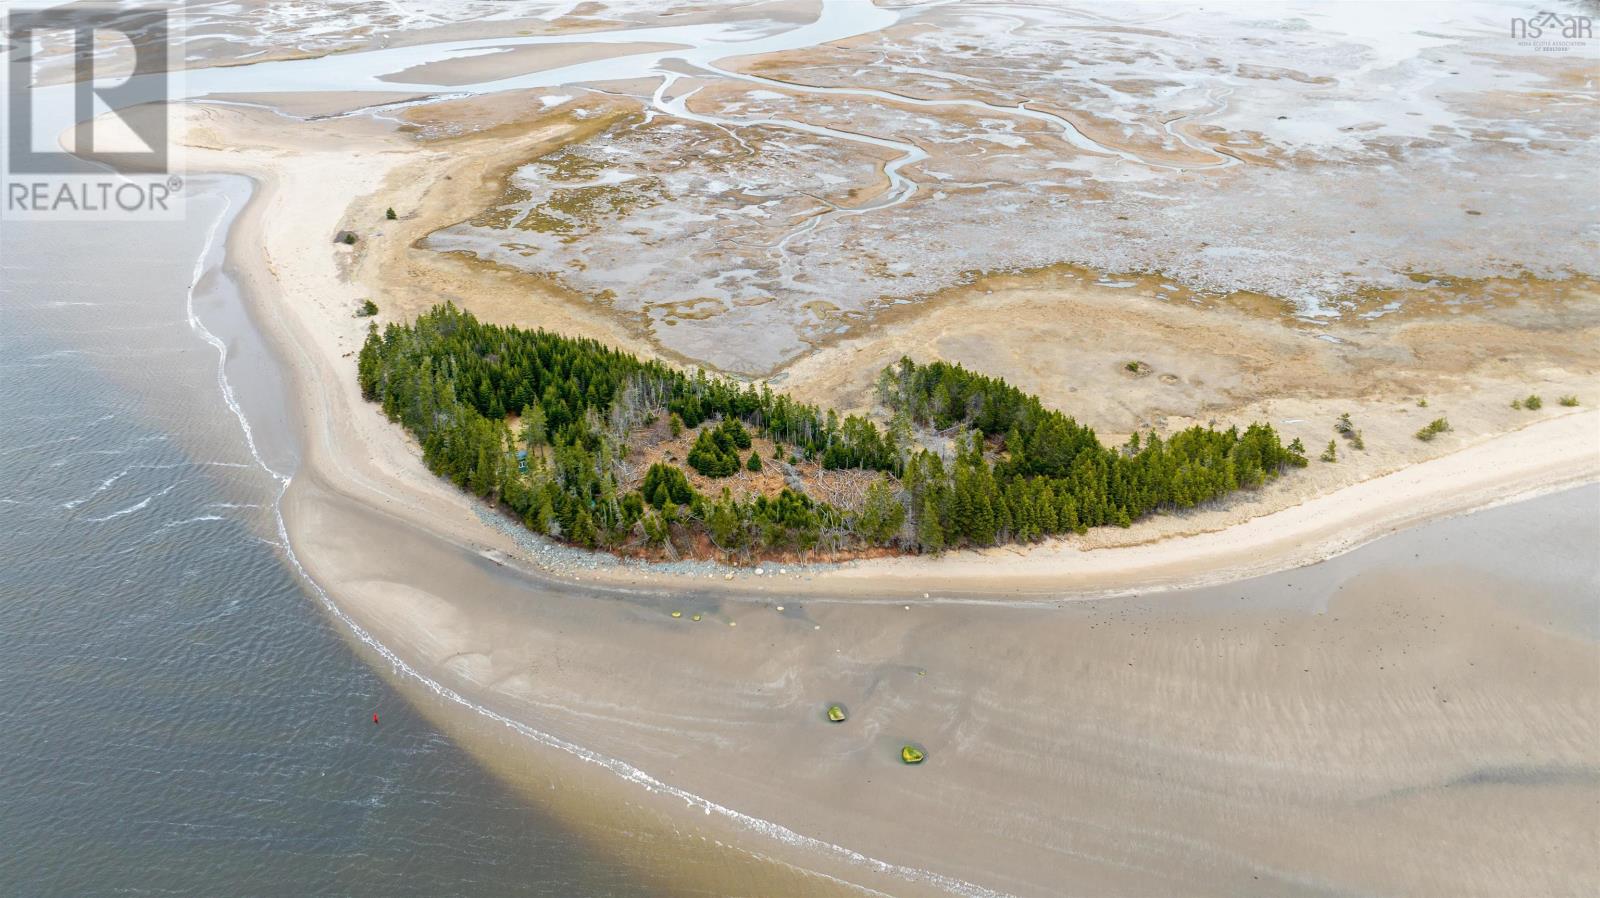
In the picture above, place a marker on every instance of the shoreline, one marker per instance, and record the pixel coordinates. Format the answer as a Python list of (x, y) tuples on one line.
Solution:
[(351, 455), (1544, 457), (368, 629), (1153, 552), (1475, 478)]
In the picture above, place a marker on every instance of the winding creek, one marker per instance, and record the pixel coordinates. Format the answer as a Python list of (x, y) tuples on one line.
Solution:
[(705, 45), (398, 815)]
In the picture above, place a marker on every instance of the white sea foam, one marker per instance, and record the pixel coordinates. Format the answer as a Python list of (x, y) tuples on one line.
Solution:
[(104, 485), (194, 520), (140, 505)]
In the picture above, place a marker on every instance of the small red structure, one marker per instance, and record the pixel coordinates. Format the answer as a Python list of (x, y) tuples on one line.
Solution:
[(374, 718)]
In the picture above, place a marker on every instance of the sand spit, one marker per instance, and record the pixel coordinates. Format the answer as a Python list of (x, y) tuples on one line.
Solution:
[(350, 488), (1229, 368), (1125, 748)]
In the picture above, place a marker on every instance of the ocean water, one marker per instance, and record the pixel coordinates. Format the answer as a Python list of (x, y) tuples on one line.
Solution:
[(177, 715)]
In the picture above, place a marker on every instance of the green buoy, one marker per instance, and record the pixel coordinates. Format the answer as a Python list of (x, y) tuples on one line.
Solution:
[(911, 754), (836, 713)]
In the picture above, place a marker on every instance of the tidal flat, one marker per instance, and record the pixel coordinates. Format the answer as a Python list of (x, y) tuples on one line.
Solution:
[(1376, 676)]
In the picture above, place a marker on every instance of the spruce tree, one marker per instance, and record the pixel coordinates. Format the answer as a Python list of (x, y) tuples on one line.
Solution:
[(930, 530), (881, 513), (584, 532), (724, 522)]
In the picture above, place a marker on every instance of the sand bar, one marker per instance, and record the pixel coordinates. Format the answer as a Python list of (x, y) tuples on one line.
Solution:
[(1094, 730)]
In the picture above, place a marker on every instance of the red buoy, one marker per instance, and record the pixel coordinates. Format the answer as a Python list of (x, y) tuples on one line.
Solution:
[(374, 718)]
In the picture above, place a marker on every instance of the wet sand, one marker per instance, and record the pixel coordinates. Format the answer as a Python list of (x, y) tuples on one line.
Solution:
[(1417, 717), (378, 495), (1120, 746), (508, 61)]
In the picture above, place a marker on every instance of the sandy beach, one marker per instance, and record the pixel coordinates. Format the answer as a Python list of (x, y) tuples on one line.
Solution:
[(1374, 675), (1039, 754), (308, 284)]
